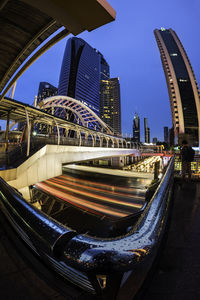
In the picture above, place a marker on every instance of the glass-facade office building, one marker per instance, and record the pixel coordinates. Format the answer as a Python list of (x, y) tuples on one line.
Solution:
[(136, 129), (46, 90), (83, 67), (110, 104), (182, 86)]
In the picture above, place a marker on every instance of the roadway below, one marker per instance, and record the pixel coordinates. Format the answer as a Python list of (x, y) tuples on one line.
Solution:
[(93, 200), (176, 275)]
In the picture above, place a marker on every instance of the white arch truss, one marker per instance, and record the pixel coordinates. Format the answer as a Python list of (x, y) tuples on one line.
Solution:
[(83, 114)]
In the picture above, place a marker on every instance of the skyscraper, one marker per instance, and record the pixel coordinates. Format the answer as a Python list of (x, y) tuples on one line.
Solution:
[(148, 139), (46, 90), (110, 103), (166, 134), (182, 86), (154, 140), (136, 128), (146, 132), (82, 69)]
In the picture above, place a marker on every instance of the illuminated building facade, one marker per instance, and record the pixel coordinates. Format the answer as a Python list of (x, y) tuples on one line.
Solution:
[(136, 129), (110, 103), (82, 69), (146, 132), (182, 86)]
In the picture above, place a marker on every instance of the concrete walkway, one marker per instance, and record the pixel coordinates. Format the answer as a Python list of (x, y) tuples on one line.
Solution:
[(177, 275)]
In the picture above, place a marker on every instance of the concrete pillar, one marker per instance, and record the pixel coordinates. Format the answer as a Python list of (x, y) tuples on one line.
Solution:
[(113, 143), (127, 161), (86, 136), (58, 132), (94, 140), (79, 137), (66, 132), (117, 162), (101, 141), (107, 140)]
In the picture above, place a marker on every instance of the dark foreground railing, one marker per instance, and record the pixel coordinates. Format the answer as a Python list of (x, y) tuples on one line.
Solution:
[(105, 267)]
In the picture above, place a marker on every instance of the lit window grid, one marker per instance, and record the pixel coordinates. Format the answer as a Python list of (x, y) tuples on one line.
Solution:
[(195, 166)]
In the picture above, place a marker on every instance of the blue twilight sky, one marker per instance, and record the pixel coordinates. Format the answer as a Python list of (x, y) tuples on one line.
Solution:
[(128, 44)]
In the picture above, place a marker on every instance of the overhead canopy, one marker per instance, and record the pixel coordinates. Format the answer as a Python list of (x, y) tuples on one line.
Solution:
[(77, 15), (24, 25)]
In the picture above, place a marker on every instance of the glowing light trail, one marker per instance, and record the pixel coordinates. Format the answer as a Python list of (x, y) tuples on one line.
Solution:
[(61, 184), (80, 202), (109, 187)]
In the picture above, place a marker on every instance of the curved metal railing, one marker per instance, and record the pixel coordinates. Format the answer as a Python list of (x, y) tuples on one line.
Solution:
[(77, 256)]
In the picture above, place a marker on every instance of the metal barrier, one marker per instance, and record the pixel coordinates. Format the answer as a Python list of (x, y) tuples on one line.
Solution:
[(99, 265)]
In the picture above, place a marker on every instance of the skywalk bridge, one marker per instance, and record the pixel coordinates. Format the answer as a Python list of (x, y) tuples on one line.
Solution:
[(87, 129)]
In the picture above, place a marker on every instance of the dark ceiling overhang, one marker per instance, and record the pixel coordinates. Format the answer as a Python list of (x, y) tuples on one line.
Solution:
[(25, 25)]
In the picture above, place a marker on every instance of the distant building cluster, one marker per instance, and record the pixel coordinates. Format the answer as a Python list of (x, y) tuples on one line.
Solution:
[(136, 130), (85, 76)]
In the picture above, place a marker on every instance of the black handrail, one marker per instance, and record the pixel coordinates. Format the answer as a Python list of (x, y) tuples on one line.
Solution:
[(84, 252), (41, 230), (123, 253)]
